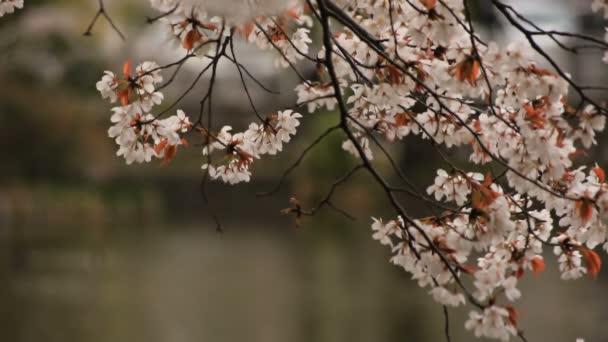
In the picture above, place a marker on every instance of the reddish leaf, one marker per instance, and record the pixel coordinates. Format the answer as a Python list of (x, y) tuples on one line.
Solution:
[(401, 119), (476, 199), (292, 14), (429, 4), (468, 70), (161, 146), (482, 196), (246, 29), (599, 172), (539, 71), (395, 75), (123, 95), (513, 315), (209, 26), (477, 126), (126, 68), (577, 153), (469, 269), (592, 260), (170, 152), (585, 209), (535, 116), (191, 38), (538, 264), (488, 180)]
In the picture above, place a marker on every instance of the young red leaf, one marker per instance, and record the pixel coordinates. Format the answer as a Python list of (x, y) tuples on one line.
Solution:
[(513, 315), (599, 172), (585, 209), (429, 4), (170, 152), (592, 260), (538, 264), (191, 38), (161, 146), (126, 68)]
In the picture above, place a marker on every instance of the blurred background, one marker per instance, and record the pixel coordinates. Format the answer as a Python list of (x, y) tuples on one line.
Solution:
[(94, 250)]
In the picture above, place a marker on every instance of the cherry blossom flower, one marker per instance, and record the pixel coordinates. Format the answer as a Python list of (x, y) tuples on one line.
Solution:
[(363, 141), (233, 168), (138, 88), (445, 297), (9, 6), (600, 6), (316, 95), (494, 322), (268, 137), (453, 187)]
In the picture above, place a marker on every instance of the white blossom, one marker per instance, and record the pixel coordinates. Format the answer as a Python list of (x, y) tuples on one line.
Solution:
[(492, 323), (9, 6)]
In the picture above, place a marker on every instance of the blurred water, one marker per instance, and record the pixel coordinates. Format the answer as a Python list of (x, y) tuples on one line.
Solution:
[(192, 284)]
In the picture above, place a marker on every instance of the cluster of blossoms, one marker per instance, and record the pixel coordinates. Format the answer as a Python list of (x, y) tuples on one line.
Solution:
[(456, 91), (242, 148), (600, 6), (9, 6), (494, 238), (426, 74), (189, 25), (142, 136)]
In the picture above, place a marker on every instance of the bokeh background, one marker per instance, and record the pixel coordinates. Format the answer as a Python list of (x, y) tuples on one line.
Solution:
[(94, 250)]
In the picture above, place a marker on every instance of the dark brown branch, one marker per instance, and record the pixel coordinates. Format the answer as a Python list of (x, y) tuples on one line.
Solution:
[(446, 327), (253, 78), (243, 82), (151, 20), (291, 65), (101, 11), (219, 51), (326, 201), (298, 161), (336, 12)]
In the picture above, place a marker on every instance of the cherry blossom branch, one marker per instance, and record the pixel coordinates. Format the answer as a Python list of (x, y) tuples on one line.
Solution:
[(336, 12), (372, 43), (461, 122), (291, 65), (286, 37), (366, 162), (484, 71), (468, 28), (420, 77), (186, 92), (412, 191), (244, 84), (504, 9)]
